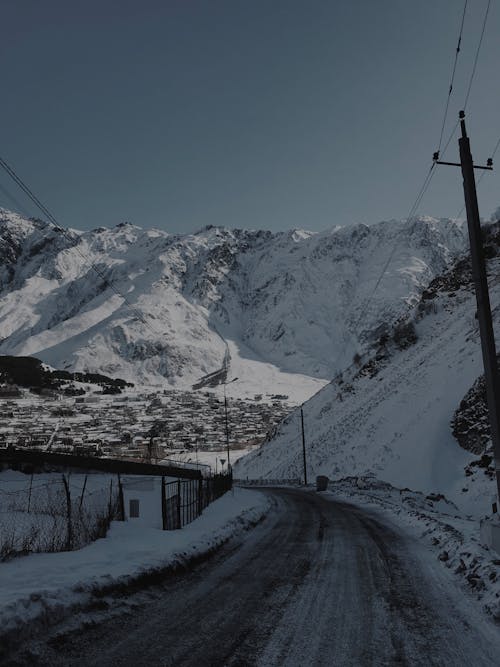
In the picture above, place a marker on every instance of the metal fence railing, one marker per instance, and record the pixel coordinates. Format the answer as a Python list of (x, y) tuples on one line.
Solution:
[(184, 500), (295, 481)]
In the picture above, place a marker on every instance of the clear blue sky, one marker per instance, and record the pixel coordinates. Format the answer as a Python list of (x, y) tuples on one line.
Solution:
[(247, 113)]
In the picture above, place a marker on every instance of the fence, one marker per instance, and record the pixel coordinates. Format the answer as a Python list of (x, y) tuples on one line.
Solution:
[(64, 512), (184, 500), (295, 481), (58, 514)]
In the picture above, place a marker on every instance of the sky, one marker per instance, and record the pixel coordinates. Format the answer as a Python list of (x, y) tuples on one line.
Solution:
[(270, 114)]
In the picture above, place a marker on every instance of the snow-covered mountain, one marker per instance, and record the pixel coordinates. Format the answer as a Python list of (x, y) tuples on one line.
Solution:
[(282, 311), (392, 414)]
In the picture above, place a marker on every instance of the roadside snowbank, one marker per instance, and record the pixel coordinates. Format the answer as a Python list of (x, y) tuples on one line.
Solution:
[(39, 587), (452, 538)]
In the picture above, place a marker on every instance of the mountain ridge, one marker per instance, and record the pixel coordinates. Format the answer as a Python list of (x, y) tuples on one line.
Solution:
[(412, 411), (282, 304)]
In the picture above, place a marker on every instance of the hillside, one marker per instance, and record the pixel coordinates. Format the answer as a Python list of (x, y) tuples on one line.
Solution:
[(391, 415), (282, 312)]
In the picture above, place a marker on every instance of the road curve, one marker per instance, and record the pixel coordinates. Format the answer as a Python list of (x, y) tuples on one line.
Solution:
[(316, 583)]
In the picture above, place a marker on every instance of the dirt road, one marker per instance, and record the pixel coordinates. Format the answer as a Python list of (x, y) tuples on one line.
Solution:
[(317, 583)]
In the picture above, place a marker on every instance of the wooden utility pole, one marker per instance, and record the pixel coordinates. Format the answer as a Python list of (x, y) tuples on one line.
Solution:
[(303, 445), (482, 295), (227, 422), (227, 428)]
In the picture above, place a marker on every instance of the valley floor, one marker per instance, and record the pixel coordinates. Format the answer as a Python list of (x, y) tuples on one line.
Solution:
[(318, 582)]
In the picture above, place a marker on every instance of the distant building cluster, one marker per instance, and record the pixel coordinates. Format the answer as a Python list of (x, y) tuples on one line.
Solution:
[(143, 426)]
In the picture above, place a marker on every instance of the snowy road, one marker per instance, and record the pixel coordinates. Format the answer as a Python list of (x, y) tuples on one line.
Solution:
[(316, 583)]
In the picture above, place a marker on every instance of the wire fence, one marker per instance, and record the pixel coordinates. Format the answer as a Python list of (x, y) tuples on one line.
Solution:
[(55, 516), (66, 513)]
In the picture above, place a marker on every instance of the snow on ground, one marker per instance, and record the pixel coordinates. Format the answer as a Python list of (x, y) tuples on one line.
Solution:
[(394, 422), (450, 537), (254, 375), (43, 584), (211, 457), (33, 510)]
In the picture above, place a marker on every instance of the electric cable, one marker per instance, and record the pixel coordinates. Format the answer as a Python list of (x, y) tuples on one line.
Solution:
[(477, 54), (71, 239), (409, 220), (452, 134), (450, 90), (483, 174), (430, 173), (471, 79)]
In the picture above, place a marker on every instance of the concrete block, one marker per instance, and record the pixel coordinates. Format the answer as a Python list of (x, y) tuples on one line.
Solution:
[(321, 483), (490, 534)]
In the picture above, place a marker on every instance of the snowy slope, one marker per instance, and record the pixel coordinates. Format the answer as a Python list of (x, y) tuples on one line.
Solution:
[(279, 310), (391, 418)]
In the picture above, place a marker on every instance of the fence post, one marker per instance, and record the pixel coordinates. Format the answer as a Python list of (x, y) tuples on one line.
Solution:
[(83, 491), (200, 496), (163, 503), (69, 535), (121, 499), (179, 524), (191, 500), (29, 495), (110, 504)]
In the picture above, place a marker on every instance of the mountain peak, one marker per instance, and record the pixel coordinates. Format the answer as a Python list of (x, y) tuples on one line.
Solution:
[(285, 303)]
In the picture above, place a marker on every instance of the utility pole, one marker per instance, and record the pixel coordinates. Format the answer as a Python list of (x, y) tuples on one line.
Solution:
[(481, 286), (227, 423), (227, 428), (303, 444)]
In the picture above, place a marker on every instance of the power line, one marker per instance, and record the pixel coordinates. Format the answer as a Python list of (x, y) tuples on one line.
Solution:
[(469, 88), (30, 194), (497, 146), (450, 90), (452, 134), (477, 54), (423, 189), (483, 173), (430, 173), (471, 79), (409, 220), (364, 309), (52, 219)]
